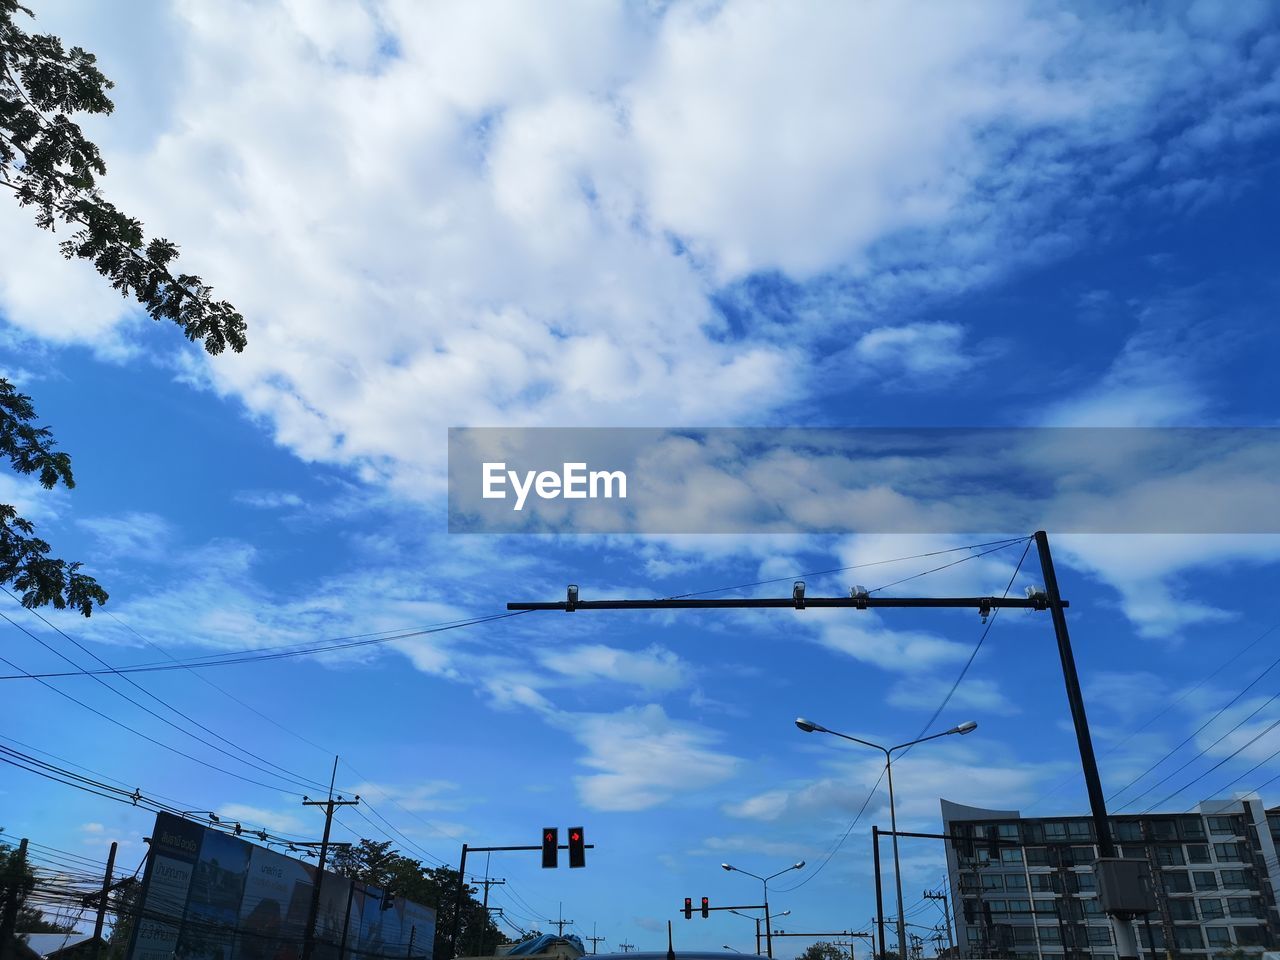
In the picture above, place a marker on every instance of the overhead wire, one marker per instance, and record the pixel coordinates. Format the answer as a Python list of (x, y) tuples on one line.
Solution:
[(945, 700), (251, 656), (1165, 709), (846, 569)]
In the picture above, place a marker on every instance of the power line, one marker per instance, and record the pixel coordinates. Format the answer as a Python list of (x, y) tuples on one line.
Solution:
[(129, 680), (251, 656), (945, 700), (856, 566)]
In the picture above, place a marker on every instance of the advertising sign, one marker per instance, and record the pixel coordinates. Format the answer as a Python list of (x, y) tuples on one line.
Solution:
[(207, 895)]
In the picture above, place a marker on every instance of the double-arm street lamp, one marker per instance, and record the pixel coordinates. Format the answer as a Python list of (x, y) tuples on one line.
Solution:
[(808, 726), (768, 929)]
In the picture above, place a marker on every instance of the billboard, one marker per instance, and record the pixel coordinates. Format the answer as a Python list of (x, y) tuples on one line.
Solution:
[(207, 895)]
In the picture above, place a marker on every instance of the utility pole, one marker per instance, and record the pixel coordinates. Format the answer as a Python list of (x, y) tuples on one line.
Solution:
[(594, 939), (309, 935), (946, 911), (1126, 942), (102, 904), (561, 923), (487, 883), (9, 919), (875, 846)]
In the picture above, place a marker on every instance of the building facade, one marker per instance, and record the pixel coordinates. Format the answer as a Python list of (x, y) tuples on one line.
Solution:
[(1033, 895)]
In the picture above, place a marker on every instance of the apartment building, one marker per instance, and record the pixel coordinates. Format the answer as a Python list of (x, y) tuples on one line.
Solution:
[(1033, 897)]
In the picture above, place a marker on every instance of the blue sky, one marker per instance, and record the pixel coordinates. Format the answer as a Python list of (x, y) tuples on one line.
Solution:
[(683, 214)]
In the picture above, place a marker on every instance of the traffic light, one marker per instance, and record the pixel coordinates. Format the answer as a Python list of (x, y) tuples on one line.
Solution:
[(577, 848), (550, 846), (706, 908), (688, 908)]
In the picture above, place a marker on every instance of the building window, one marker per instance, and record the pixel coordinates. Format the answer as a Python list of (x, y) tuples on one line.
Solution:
[(1015, 881), (1079, 829), (1169, 856), (1176, 881), (1044, 883), (1055, 831), (1227, 852), (1083, 856), (1182, 909), (1192, 828), (998, 906), (1019, 906), (1222, 826), (1234, 880), (1211, 908), (1099, 936), (1024, 934), (1250, 936), (1205, 879), (1091, 908), (1198, 853), (1127, 829), (1164, 829), (1007, 831), (1037, 856), (1050, 935), (992, 881), (1218, 936), (1188, 938), (1241, 907), (1153, 931), (1010, 855)]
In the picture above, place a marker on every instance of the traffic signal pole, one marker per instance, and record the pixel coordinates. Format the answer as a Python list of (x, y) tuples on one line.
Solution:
[(462, 877), (1126, 942), (1050, 599)]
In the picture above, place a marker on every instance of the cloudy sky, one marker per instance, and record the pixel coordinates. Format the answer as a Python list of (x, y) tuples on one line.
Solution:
[(681, 214)]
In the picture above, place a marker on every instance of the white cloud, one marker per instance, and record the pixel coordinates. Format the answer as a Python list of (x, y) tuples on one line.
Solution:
[(984, 696), (919, 349), (520, 218), (1153, 573), (908, 651), (138, 536), (268, 499), (960, 773), (654, 668), (643, 758), (273, 820)]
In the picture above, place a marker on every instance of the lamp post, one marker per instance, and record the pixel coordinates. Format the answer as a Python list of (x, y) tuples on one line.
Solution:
[(808, 726), (768, 929)]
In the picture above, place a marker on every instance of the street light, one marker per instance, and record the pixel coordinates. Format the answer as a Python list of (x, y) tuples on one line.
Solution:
[(205, 814), (808, 726), (768, 930)]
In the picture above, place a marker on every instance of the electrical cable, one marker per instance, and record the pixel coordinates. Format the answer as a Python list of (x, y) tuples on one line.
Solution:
[(1200, 753), (945, 700), (290, 776), (249, 656)]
